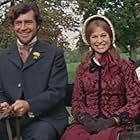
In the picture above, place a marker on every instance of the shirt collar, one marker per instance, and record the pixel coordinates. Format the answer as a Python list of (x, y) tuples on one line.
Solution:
[(96, 61), (31, 43)]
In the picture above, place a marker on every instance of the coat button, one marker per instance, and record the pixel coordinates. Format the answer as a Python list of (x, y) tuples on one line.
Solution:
[(19, 85)]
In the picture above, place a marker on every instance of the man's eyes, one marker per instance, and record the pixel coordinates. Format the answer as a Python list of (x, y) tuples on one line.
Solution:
[(25, 22)]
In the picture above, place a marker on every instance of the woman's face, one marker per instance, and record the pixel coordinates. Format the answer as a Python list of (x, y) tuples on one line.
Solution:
[(100, 41)]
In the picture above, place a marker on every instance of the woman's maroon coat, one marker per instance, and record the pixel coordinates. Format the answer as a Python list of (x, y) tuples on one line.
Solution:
[(117, 94)]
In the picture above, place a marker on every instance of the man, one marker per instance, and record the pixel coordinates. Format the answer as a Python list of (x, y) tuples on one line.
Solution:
[(33, 85)]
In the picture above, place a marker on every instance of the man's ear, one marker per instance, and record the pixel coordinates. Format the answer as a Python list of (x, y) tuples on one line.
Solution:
[(38, 27)]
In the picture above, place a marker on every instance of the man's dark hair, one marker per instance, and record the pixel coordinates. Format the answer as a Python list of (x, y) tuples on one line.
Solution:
[(23, 8)]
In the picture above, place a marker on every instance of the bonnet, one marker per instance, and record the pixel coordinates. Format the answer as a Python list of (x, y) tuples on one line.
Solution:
[(97, 17)]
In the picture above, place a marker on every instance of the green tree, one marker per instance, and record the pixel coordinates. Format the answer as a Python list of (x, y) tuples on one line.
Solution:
[(72, 56), (55, 17), (124, 14)]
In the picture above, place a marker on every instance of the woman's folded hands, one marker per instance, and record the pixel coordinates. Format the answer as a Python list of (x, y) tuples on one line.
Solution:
[(95, 125)]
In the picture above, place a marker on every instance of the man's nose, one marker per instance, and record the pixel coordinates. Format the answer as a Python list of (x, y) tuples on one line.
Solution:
[(23, 26)]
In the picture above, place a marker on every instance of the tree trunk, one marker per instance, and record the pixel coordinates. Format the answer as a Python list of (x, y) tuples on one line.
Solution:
[(133, 53)]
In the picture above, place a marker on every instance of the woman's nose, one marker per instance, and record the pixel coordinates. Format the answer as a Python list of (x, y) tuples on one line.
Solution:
[(99, 39)]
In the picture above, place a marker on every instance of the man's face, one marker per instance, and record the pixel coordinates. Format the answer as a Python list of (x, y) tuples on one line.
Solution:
[(25, 27)]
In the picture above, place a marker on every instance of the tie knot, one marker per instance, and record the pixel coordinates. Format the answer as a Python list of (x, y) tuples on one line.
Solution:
[(24, 52), (23, 47)]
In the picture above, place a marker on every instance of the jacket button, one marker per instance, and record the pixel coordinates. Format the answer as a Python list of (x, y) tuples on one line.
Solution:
[(19, 85)]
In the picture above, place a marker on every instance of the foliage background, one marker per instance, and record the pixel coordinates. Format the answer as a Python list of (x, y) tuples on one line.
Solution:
[(60, 17)]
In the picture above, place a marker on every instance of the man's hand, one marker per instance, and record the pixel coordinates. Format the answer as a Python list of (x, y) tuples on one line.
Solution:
[(4, 106), (20, 107), (5, 110)]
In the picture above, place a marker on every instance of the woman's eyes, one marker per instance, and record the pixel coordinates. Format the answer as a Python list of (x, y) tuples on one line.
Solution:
[(103, 35), (96, 36)]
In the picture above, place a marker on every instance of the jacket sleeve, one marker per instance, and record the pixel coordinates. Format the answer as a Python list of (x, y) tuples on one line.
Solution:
[(78, 104), (3, 97), (130, 111), (56, 87)]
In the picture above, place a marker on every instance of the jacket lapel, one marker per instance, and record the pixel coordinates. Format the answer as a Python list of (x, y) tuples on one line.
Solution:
[(14, 56), (38, 48)]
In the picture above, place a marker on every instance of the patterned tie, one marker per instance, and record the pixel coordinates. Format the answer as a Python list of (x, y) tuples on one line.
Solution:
[(24, 53), (25, 50)]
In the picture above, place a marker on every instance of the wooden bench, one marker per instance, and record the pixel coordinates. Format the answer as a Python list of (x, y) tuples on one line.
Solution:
[(68, 98)]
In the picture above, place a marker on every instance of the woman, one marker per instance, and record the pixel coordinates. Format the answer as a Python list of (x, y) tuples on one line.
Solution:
[(105, 97)]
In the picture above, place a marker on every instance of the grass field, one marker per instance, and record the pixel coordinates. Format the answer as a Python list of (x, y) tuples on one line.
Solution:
[(72, 71)]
